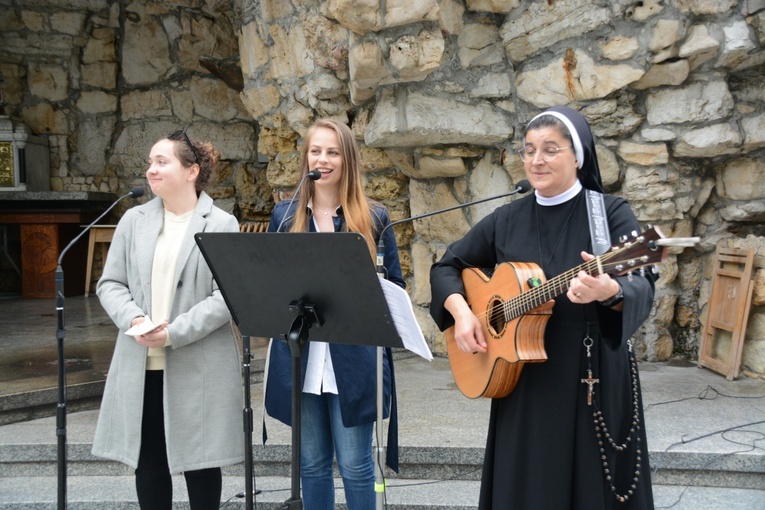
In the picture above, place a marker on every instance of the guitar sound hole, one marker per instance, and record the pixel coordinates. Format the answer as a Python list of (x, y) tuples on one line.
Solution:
[(495, 317)]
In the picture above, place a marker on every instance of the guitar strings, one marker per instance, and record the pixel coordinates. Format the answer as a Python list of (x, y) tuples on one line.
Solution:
[(537, 296)]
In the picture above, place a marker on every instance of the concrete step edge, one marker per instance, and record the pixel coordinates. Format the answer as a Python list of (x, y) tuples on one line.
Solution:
[(117, 492), (700, 475), (750, 462)]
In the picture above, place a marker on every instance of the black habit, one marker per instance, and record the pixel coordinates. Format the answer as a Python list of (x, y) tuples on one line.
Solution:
[(542, 452)]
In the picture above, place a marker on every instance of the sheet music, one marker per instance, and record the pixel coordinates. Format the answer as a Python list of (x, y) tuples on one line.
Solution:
[(142, 327), (401, 310)]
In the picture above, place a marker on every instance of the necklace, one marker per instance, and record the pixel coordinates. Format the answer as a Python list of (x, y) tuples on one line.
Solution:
[(327, 212)]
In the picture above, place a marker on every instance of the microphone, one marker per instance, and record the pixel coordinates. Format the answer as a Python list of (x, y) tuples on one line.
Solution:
[(522, 187), (314, 175), (136, 192)]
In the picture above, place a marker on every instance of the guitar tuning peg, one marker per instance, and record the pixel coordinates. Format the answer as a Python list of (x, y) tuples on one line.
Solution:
[(622, 239), (655, 269), (642, 271), (634, 233), (629, 276), (649, 226)]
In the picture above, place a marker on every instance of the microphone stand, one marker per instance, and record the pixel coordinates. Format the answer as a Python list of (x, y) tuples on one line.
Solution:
[(522, 187), (60, 334), (249, 486), (296, 340)]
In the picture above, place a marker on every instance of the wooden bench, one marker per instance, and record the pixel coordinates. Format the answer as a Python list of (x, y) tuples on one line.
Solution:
[(254, 226)]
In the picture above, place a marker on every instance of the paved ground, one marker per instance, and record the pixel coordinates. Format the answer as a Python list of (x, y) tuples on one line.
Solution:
[(692, 412)]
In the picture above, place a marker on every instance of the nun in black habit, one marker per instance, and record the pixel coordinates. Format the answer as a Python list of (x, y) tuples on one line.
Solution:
[(543, 451)]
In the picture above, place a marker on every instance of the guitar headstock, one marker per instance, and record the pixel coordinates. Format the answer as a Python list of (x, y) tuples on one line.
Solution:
[(640, 251)]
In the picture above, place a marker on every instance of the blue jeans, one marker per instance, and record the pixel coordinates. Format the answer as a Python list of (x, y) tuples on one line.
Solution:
[(322, 436)]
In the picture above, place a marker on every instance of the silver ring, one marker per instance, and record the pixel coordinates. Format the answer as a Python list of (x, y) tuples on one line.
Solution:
[(578, 294)]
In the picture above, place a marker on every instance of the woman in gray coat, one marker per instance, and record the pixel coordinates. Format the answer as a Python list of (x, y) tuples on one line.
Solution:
[(173, 395)]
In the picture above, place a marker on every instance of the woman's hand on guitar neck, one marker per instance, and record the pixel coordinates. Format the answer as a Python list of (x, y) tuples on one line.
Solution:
[(467, 328), (585, 288)]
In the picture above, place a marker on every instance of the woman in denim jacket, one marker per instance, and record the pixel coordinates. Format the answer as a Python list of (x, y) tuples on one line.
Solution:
[(339, 380)]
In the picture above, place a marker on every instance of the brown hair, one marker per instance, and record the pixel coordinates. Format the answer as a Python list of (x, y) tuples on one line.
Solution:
[(190, 152), (356, 206)]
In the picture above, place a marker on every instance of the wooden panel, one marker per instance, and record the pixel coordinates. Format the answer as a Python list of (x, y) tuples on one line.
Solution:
[(729, 302), (41, 245), (39, 254)]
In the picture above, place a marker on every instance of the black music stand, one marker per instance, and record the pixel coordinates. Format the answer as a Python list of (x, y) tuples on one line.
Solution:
[(270, 280)]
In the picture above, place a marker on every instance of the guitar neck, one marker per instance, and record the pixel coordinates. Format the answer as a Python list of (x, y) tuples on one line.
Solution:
[(647, 248), (537, 296)]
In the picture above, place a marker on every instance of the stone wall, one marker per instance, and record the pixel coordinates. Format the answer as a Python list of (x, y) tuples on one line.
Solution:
[(437, 92), (105, 79)]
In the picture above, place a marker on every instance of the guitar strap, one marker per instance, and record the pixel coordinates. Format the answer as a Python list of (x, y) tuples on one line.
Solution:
[(596, 213), (601, 243)]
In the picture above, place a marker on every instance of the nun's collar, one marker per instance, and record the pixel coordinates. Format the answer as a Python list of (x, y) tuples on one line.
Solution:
[(562, 198)]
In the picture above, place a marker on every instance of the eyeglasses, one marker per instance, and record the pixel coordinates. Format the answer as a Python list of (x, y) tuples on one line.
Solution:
[(177, 135), (548, 153)]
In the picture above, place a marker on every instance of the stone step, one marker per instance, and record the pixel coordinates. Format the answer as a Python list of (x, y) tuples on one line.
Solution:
[(38, 403), (453, 463), (701, 450), (86, 493), (118, 492), (84, 390), (21, 460), (34, 398)]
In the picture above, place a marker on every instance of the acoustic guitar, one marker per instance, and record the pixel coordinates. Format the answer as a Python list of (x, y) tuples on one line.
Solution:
[(515, 303)]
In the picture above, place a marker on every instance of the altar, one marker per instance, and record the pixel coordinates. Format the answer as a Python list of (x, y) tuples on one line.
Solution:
[(48, 221)]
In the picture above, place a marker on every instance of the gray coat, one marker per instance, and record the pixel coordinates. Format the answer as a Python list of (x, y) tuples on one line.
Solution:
[(202, 378)]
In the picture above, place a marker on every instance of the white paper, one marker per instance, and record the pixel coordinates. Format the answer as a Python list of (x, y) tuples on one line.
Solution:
[(142, 328), (401, 311)]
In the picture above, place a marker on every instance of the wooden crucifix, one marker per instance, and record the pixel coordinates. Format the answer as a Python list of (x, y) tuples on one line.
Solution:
[(590, 382)]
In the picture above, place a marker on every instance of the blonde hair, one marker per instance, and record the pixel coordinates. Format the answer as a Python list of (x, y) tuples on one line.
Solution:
[(356, 206)]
